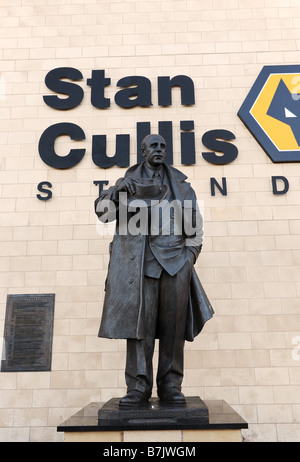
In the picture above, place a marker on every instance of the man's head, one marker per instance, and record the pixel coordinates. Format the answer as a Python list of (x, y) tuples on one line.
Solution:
[(154, 150)]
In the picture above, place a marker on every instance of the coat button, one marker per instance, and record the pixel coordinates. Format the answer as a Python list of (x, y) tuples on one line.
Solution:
[(132, 257), (131, 280)]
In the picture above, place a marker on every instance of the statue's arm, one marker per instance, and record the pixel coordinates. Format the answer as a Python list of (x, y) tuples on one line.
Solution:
[(193, 224), (106, 205)]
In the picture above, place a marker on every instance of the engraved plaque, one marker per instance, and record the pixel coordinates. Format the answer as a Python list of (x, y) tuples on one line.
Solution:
[(28, 333)]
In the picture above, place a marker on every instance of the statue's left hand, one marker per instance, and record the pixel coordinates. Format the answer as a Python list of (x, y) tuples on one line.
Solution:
[(128, 185)]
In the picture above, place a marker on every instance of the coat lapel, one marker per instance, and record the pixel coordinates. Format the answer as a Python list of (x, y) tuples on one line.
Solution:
[(176, 179)]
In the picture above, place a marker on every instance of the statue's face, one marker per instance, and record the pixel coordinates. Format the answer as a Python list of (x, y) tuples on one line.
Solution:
[(154, 150)]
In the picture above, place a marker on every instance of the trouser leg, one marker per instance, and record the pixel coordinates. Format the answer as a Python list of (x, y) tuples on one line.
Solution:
[(172, 315), (166, 301), (139, 370)]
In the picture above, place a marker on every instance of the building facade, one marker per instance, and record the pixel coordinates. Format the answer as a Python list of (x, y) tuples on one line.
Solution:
[(96, 106)]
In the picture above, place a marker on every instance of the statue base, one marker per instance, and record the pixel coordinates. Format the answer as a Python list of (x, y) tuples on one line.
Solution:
[(154, 415), (196, 421)]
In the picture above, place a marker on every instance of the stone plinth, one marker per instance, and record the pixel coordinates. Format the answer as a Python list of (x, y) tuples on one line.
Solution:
[(197, 421)]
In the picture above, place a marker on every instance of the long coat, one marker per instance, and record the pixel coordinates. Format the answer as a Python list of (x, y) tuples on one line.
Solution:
[(123, 309)]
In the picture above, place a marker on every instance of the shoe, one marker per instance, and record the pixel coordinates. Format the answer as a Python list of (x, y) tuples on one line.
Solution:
[(171, 396), (133, 398)]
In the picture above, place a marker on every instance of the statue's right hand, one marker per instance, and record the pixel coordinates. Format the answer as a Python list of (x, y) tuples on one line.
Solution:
[(128, 185)]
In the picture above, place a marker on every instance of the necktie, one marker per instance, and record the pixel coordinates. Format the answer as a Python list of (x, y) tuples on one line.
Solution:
[(156, 177)]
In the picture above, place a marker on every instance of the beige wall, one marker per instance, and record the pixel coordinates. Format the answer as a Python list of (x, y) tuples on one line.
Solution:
[(250, 265)]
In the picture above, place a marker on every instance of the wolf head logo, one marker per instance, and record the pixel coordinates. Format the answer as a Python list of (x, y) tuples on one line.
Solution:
[(285, 107), (271, 112)]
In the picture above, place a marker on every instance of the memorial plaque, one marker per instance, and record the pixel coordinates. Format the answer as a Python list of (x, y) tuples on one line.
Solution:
[(28, 333)]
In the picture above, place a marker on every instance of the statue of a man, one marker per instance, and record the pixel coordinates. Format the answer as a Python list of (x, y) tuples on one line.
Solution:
[(152, 290)]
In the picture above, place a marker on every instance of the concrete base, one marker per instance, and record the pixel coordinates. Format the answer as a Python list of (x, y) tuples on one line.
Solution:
[(155, 436), (95, 423)]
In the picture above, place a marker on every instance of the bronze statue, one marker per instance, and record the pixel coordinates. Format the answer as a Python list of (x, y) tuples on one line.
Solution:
[(152, 290)]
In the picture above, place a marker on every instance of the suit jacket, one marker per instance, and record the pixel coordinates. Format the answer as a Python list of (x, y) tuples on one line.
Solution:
[(123, 309)]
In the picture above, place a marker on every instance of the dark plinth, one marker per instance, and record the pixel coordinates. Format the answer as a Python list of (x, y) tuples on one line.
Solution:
[(154, 415), (196, 415)]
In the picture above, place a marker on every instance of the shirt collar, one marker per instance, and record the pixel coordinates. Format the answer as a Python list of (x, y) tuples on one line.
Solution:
[(149, 172)]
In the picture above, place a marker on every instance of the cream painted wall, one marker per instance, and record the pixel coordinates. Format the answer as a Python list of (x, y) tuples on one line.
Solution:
[(250, 265)]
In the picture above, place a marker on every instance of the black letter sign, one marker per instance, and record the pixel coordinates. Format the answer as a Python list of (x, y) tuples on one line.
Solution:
[(187, 90), (98, 82), (286, 185), (46, 145), (210, 141), (141, 90), (53, 82), (44, 190), (121, 157)]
